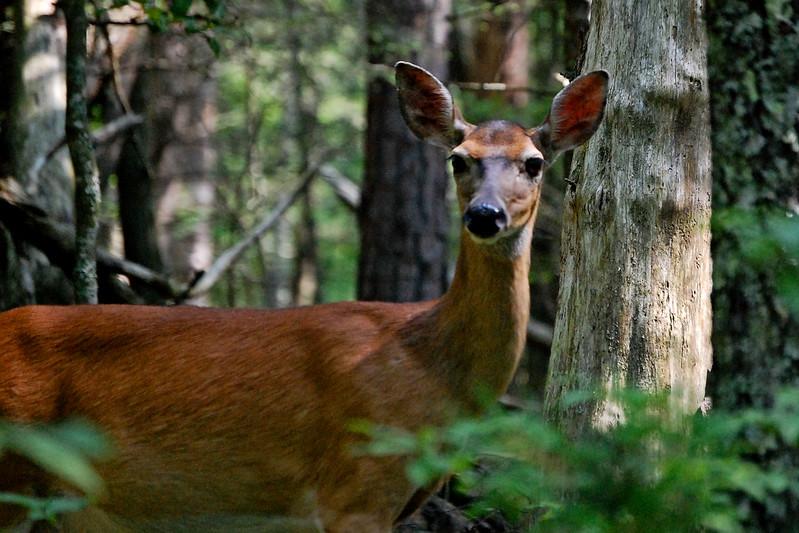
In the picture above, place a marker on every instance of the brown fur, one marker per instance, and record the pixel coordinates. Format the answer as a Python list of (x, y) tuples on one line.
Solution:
[(239, 419)]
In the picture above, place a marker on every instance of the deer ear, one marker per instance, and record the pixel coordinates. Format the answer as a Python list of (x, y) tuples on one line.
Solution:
[(575, 114), (427, 106)]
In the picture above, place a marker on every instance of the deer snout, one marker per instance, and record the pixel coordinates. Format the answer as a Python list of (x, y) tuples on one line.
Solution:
[(484, 220)]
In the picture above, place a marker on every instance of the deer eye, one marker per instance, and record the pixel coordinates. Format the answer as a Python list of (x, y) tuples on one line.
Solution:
[(533, 166), (458, 164)]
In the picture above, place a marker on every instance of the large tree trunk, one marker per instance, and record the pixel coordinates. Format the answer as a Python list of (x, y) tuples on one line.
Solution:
[(635, 285), (32, 103), (756, 186), (403, 213)]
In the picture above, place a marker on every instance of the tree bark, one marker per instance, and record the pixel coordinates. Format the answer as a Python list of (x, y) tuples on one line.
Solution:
[(32, 102), (403, 213), (87, 186), (634, 301)]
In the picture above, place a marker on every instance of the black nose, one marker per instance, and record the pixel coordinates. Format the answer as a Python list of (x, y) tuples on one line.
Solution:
[(484, 220)]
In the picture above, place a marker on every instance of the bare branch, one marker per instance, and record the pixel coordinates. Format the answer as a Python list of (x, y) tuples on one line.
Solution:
[(539, 332), (498, 87), (115, 127), (222, 263), (347, 190), (103, 135), (57, 242), (165, 286)]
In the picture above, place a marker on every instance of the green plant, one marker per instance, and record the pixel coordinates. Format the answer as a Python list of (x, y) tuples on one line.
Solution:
[(656, 471), (65, 450)]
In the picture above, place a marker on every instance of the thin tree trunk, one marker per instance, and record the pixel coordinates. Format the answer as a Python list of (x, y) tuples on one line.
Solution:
[(300, 121), (635, 285), (403, 213), (87, 187), (135, 189)]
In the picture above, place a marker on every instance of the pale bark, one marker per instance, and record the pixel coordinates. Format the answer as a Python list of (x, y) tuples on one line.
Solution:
[(634, 302)]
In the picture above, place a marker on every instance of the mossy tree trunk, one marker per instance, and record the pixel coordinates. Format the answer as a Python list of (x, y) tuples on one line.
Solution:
[(634, 302), (81, 151), (753, 68)]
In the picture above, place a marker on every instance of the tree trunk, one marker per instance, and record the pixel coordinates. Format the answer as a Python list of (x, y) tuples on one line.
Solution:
[(81, 151), (182, 116), (494, 47), (32, 103), (634, 302), (756, 185), (300, 120), (136, 188), (403, 213)]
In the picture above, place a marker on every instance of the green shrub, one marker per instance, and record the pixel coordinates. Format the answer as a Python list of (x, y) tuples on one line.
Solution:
[(654, 472)]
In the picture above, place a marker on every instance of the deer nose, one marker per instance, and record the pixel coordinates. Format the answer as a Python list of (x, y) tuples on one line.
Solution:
[(484, 220)]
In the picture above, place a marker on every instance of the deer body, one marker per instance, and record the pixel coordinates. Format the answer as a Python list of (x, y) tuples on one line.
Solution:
[(247, 413)]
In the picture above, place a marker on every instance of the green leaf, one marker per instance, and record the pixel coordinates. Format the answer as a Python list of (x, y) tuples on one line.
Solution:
[(58, 458), (44, 508), (214, 45), (180, 8)]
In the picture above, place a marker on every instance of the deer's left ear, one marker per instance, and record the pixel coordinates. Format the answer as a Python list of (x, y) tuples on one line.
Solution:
[(575, 115), (427, 107)]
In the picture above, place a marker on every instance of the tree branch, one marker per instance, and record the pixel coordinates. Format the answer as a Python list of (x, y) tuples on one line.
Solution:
[(539, 332), (347, 190), (100, 136), (207, 279), (57, 242)]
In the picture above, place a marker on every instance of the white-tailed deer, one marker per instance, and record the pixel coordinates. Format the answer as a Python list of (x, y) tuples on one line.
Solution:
[(225, 418)]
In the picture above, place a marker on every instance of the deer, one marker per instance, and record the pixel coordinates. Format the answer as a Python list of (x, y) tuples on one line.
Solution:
[(240, 419)]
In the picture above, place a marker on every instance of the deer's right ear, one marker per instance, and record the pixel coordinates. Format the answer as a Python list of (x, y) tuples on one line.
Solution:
[(427, 107)]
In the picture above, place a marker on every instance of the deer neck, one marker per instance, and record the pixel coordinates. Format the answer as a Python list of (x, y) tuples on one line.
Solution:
[(479, 326)]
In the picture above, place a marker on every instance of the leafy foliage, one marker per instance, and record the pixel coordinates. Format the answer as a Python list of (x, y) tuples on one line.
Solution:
[(656, 471), (193, 16), (65, 450)]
